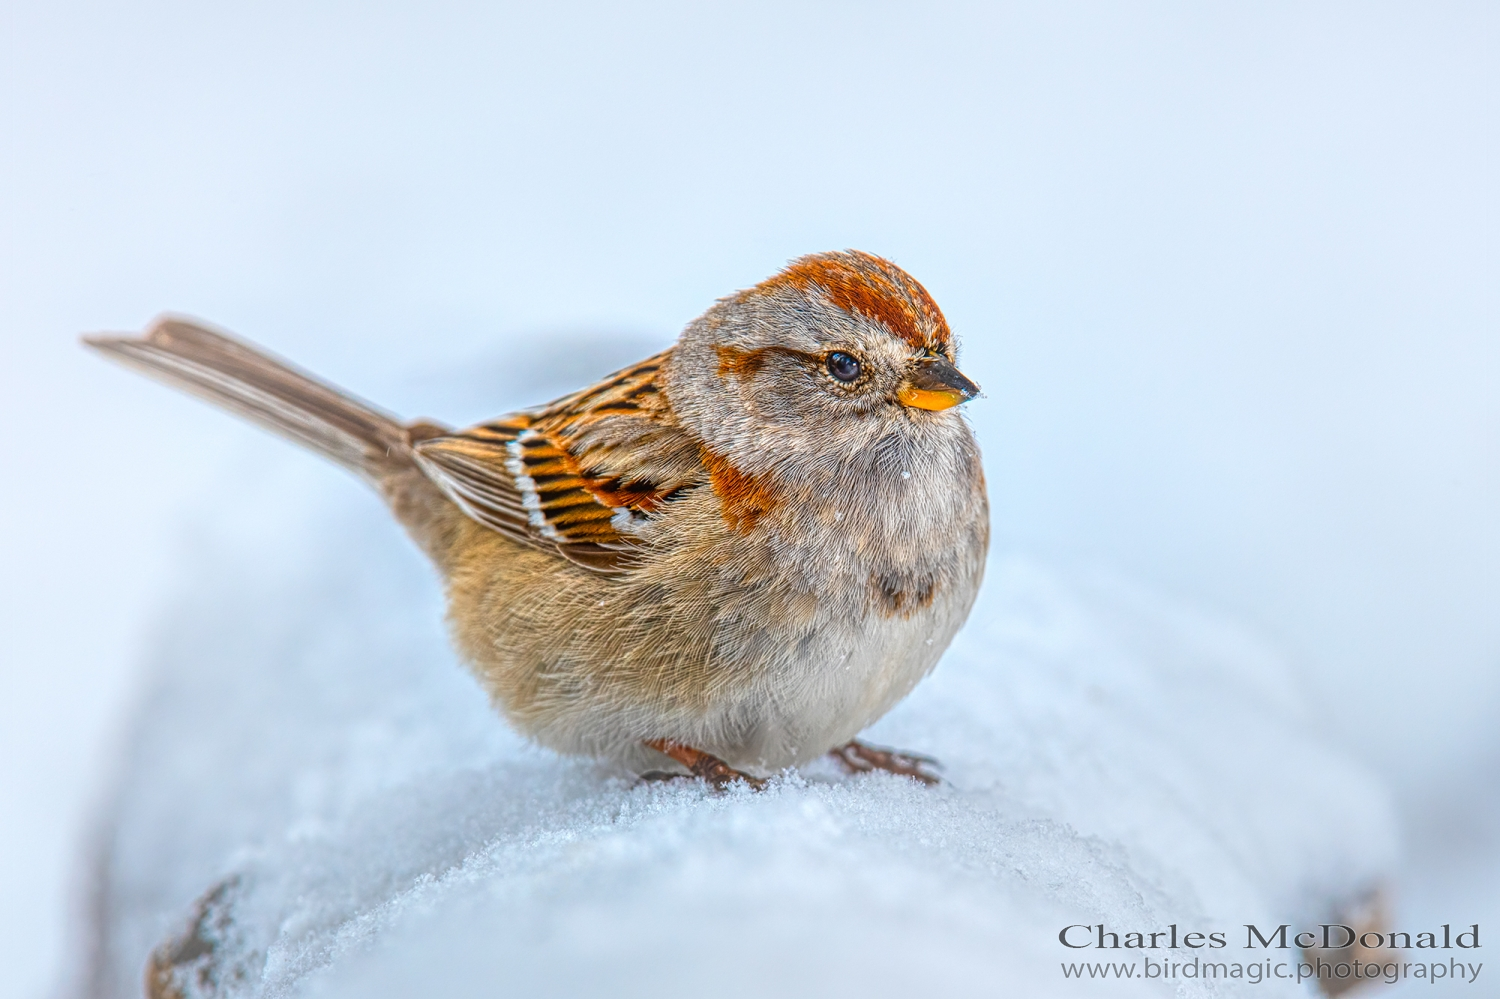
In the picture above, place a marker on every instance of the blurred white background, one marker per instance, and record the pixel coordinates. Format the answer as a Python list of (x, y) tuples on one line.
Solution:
[(1228, 275)]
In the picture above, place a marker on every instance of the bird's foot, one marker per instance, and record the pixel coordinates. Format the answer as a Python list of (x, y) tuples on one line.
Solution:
[(700, 764), (859, 758)]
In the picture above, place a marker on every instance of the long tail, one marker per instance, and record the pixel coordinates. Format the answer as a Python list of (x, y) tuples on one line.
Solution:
[(269, 391)]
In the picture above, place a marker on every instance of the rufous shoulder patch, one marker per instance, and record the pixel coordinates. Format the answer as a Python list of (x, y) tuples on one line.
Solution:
[(871, 287), (743, 499)]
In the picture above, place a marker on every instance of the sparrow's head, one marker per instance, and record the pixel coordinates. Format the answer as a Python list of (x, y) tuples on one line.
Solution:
[(836, 353)]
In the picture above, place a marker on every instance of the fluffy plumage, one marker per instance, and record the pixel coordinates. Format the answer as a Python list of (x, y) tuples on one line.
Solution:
[(730, 548)]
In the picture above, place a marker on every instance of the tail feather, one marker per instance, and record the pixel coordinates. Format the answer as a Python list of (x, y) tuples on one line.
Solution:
[(267, 390)]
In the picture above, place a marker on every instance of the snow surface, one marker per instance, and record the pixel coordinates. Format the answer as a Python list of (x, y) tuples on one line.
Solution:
[(310, 741)]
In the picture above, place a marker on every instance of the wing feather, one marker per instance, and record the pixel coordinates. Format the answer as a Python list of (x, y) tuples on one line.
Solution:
[(582, 477)]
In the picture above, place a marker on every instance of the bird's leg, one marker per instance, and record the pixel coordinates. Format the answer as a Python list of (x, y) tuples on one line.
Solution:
[(705, 765), (859, 758)]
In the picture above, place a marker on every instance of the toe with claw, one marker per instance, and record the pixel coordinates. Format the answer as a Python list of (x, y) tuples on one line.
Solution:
[(701, 764), (858, 758)]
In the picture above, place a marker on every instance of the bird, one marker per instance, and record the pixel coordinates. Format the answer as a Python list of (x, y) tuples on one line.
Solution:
[(724, 561)]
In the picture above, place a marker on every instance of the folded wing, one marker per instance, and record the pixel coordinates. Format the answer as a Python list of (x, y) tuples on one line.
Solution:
[(583, 477)]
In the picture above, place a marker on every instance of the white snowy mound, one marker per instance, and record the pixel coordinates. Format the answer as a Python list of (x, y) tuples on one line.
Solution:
[(313, 756)]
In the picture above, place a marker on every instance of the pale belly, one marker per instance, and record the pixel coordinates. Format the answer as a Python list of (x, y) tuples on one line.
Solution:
[(841, 677), (764, 671), (849, 679), (791, 699)]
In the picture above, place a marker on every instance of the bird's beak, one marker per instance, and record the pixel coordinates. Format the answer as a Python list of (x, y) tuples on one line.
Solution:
[(933, 383)]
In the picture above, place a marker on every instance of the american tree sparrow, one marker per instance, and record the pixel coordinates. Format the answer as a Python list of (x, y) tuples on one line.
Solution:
[(734, 555)]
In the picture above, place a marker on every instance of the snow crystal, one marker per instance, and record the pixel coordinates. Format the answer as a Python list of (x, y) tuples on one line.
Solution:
[(311, 749)]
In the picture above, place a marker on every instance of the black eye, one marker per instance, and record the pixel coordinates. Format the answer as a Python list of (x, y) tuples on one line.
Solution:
[(844, 367)]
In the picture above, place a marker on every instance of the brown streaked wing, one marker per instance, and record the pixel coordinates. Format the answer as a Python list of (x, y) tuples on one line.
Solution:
[(557, 477), (465, 466)]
